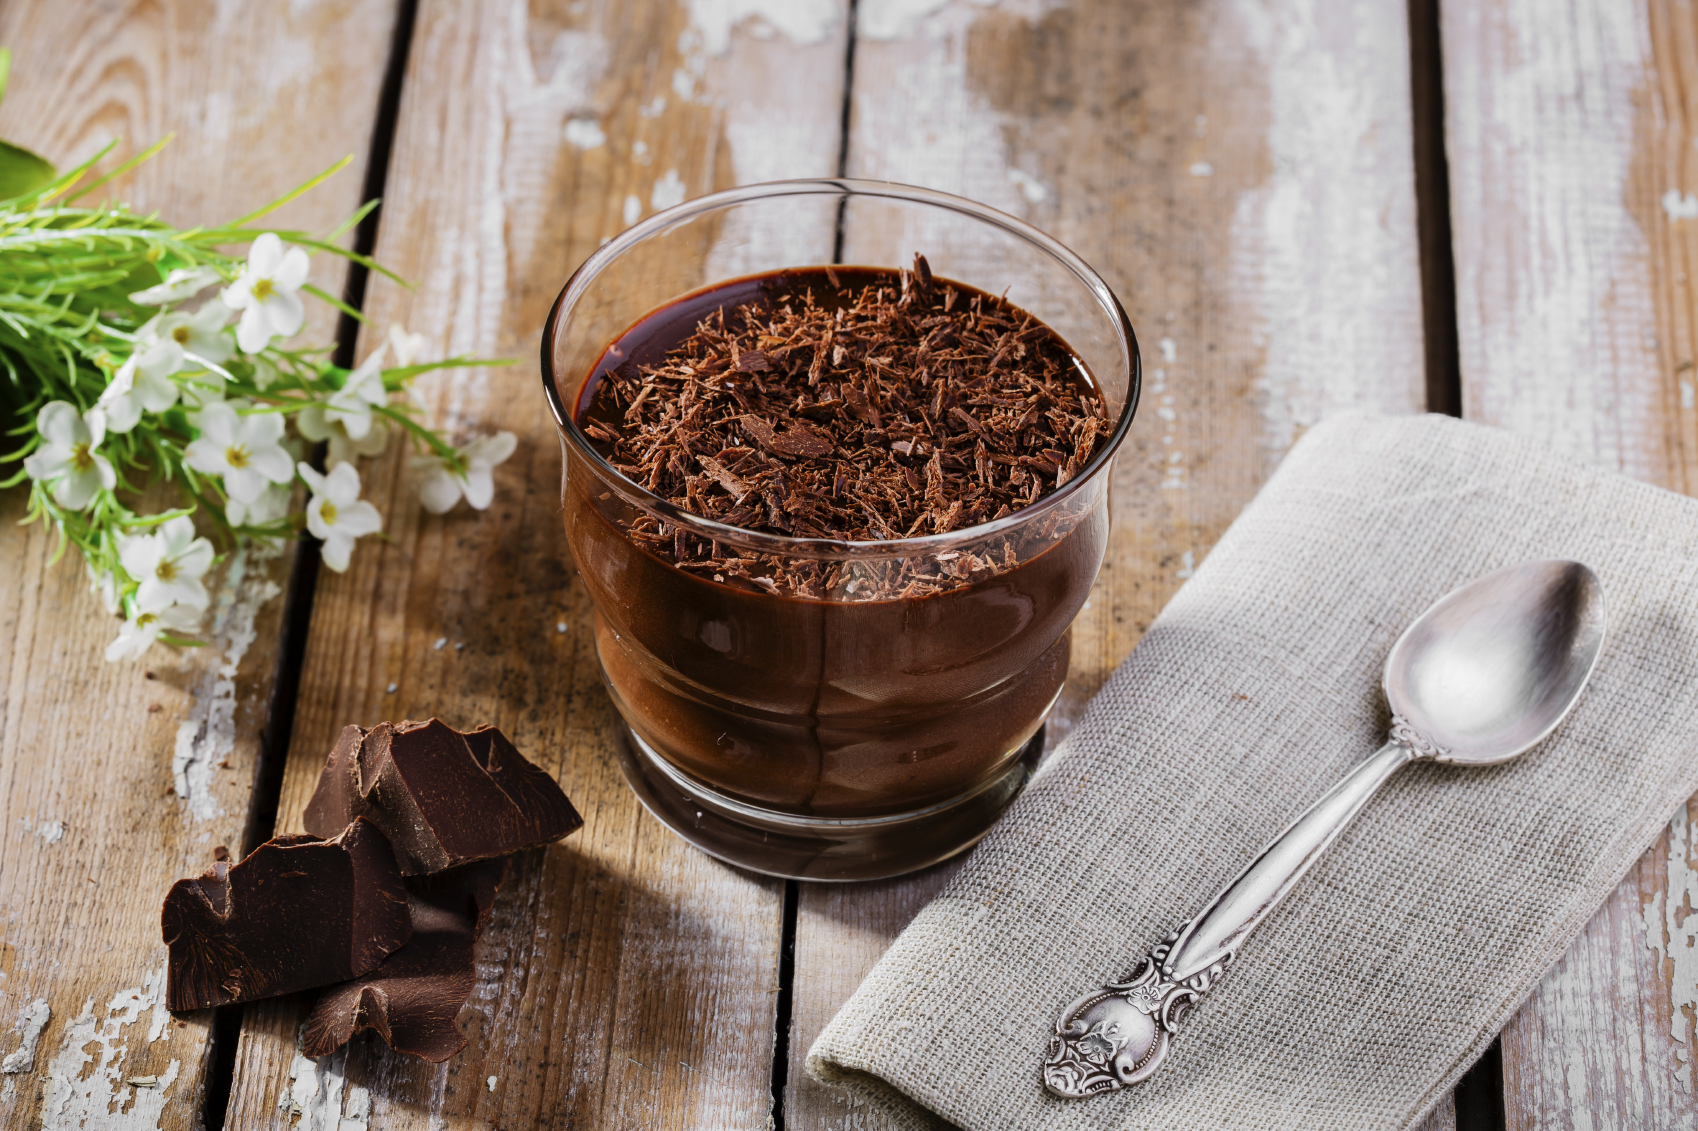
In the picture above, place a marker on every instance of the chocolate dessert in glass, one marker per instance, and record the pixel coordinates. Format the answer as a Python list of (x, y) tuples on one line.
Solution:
[(837, 460)]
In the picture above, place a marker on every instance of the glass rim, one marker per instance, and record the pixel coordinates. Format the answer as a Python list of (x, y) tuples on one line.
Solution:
[(679, 214)]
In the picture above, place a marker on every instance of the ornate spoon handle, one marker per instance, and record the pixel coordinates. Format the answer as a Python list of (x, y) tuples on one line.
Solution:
[(1118, 1035)]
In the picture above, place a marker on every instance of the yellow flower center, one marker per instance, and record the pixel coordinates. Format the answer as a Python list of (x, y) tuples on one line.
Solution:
[(146, 619), (328, 513), (81, 458), (262, 290), (181, 335), (237, 456), (166, 570)]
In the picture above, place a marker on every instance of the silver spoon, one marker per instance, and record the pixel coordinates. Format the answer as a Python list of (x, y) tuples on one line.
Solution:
[(1487, 672)]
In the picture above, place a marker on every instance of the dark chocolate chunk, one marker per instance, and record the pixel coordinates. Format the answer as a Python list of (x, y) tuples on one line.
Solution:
[(414, 995), (298, 912), (443, 798)]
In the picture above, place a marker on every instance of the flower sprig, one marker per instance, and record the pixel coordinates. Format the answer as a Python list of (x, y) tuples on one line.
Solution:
[(134, 353)]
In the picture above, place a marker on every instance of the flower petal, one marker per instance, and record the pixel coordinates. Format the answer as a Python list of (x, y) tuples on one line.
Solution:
[(218, 423), (206, 456), (155, 393), (480, 488), (314, 481), (175, 535), (74, 489), (273, 463), (265, 256), (195, 559), (343, 486), (438, 490), (122, 412), (254, 332), (337, 549), (94, 422), (489, 451), (238, 295), (259, 429), (103, 468), (359, 519), (181, 283), (61, 423), (312, 423), (244, 483), (189, 591), (139, 554), (292, 272), (286, 313)]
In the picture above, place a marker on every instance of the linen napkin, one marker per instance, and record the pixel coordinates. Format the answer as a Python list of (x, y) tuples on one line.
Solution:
[(1362, 999)]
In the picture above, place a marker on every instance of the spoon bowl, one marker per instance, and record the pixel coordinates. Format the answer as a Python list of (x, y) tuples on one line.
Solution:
[(1494, 666)]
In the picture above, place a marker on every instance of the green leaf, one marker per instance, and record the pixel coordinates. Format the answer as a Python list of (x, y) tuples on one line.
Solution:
[(22, 171), (5, 69)]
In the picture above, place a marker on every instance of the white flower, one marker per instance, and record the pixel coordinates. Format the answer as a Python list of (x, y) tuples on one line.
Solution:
[(345, 449), (271, 505), (351, 405), (337, 514), (405, 345), (197, 334), (265, 293), (68, 459), (168, 564), (245, 450), (139, 633), (180, 284), (142, 382), (442, 486)]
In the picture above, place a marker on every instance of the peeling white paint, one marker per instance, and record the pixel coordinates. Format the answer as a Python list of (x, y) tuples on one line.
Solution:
[(1688, 397), (1187, 566), (491, 1083), (899, 19), (49, 831), (633, 209), (1201, 169), (86, 1079), (314, 1093), (1323, 247), (800, 21), (208, 736), (585, 133), (668, 191), (1030, 187), (1671, 929), (32, 1018), (1680, 207)]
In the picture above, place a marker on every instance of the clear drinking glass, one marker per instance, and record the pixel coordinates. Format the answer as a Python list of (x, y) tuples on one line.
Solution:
[(847, 735)]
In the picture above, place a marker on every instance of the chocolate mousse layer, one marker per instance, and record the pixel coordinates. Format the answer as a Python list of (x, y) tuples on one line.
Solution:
[(856, 405)]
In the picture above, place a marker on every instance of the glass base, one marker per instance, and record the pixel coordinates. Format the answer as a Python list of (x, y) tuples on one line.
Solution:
[(829, 849)]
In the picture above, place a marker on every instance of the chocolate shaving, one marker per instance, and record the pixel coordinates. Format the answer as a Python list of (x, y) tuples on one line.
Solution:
[(441, 797), (297, 912), (412, 998), (892, 404)]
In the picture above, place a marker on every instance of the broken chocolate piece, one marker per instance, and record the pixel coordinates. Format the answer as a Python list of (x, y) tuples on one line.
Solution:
[(441, 797), (414, 995), (298, 912)]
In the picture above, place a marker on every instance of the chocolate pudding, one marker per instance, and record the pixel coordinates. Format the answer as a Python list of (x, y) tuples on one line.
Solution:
[(784, 658)]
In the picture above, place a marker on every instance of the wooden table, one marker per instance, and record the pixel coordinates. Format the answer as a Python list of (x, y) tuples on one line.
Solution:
[(1265, 184)]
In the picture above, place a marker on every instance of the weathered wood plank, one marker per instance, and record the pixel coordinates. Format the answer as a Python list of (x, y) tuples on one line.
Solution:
[(626, 980), (1569, 126), (1242, 174), (94, 832)]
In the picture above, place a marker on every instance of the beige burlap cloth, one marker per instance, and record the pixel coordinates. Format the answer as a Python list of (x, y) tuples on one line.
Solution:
[(1360, 1000)]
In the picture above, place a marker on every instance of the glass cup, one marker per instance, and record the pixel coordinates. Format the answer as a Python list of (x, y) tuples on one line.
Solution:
[(855, 733)]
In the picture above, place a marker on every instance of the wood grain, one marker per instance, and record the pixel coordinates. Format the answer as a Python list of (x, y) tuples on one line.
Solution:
[(94, 830), (626, 980), (1242, 175), (1569, 126)]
